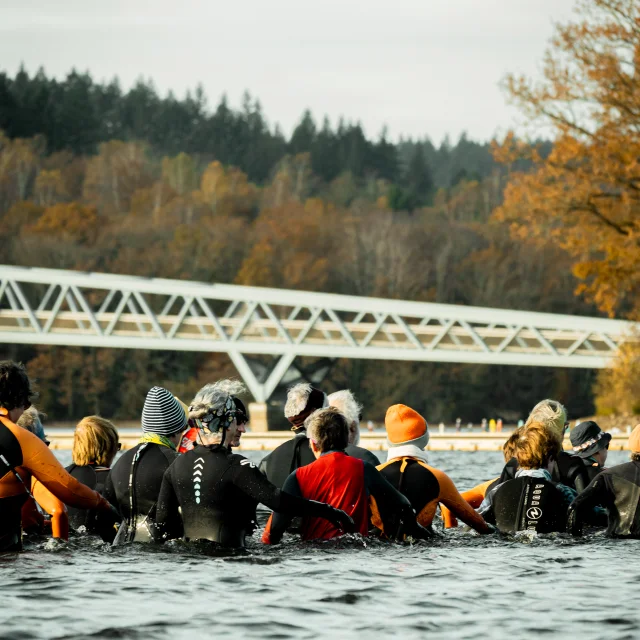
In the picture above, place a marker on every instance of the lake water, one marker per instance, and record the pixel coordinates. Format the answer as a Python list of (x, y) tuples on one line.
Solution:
[(464, 586)]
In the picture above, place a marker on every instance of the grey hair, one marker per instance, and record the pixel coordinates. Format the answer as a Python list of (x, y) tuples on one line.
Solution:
[(297, 398), (31, 420), (213, 395), (350, 408), (551, 413), (346, 403)]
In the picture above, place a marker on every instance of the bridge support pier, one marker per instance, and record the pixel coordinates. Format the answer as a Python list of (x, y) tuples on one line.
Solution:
[(262, 389)]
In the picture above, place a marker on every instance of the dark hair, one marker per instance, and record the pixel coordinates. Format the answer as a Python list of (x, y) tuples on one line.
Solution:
[(328, 428), (15, 386)]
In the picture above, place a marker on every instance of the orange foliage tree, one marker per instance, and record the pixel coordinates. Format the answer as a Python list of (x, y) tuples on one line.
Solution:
[(585, 195)]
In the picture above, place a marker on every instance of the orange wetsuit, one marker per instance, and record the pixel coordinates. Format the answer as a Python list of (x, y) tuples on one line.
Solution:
[(32, 519), (426, 487), (473, 496), (32, 459)]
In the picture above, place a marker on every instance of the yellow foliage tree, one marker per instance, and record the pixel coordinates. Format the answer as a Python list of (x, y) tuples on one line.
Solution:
[(585, 195), (71, 220), (227, 190)]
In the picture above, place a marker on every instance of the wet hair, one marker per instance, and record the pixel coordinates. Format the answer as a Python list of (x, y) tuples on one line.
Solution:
[(535, 446), (328, 428), (350, 408), (509, 447), (551, 414), (15, 386), (95, 441), (635, 456)]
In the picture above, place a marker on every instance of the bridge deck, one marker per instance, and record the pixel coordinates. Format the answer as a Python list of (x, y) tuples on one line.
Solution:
[(56, 307)]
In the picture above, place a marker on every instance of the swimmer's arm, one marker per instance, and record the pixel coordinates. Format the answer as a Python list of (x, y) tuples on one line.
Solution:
[(581, 478), (451, 498), (596, 493), (42, 464), (475, 497), (54, 507), (249, 480), (279, 522), (167, 517)]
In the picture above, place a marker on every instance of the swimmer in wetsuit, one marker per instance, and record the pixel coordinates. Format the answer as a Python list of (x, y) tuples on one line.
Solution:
[(95, 444), (302, 401), (209, 493), (190, 437), (531, 501), (590, 444), (344, 482), (408, 471), (564, 468), (34, 520), (24, 456), (618, 490), (133, 483)]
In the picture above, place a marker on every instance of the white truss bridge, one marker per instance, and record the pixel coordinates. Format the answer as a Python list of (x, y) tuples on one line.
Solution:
[(56, 307)]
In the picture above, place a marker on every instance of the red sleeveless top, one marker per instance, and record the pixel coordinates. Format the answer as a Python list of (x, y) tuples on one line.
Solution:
[(336, 479)]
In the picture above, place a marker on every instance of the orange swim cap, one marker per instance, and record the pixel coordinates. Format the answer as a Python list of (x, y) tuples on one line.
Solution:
[(405, 426)]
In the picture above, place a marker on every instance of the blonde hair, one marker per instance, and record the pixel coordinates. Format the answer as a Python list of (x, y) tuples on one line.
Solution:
[(535, 446), (95, 441), (551, 414)]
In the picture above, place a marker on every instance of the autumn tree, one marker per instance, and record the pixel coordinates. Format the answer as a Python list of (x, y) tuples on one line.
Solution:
[(585, 195)]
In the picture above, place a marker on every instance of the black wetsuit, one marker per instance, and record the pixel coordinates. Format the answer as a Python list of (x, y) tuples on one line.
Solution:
[(592, 467), (528, 504), (362, 454), (566, 468), (295, 453), (153, 461), (618, 490), (217, 492), (94, 521)]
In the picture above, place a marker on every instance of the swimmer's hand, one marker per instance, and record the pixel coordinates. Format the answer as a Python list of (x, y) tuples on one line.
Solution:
[(342, 520)]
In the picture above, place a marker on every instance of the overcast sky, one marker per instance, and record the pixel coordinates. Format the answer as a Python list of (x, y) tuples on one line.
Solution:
[(421, 67)]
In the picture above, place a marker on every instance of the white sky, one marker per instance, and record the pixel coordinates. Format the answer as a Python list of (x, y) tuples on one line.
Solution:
[(421, 67)]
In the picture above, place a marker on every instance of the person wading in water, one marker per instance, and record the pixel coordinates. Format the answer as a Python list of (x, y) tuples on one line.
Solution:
[(210, 493)]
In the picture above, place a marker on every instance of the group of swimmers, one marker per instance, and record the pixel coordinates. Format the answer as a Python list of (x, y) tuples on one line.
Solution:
[(182, 480)]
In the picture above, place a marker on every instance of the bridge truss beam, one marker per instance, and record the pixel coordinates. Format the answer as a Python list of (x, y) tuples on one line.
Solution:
[(56, 307)]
